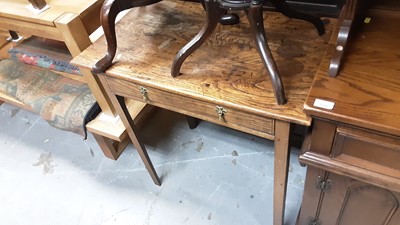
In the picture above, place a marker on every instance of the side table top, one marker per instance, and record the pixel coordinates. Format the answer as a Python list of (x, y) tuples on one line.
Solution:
[(366, 91), (226, 69)]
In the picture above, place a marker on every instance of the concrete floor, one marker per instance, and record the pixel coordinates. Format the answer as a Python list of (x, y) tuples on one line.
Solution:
[(211, 175)]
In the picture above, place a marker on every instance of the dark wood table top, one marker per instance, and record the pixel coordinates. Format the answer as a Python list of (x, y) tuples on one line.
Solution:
[(226, 69), (366, 91)]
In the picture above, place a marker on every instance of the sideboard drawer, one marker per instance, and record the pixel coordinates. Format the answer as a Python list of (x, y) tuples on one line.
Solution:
[(367, 150), (208, 111)]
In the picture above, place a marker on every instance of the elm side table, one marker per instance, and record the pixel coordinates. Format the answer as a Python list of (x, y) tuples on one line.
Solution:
[(224, 80)]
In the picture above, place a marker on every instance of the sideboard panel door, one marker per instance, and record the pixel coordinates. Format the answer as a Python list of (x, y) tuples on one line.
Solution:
[(353, 202)]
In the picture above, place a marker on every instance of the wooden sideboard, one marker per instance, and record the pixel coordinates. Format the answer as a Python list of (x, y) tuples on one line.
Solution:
[(353, 159)]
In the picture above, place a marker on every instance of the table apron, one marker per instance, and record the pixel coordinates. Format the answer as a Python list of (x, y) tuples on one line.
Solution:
[(236, 119)]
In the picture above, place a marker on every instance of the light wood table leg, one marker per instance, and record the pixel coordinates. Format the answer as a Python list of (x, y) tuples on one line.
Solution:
[(74, 33), (77, 39), (111, 149), (98, 92), (131, 129), (281, 164)]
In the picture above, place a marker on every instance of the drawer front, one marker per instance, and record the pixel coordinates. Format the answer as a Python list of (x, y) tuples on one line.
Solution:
[(368, 150), (208, 111)]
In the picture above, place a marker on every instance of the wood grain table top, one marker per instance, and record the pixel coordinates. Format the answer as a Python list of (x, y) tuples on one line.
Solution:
[(226, 69), (366, 91)]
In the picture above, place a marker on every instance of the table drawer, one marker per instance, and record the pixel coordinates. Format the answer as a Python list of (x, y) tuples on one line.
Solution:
[(367, 150), (198, 108)]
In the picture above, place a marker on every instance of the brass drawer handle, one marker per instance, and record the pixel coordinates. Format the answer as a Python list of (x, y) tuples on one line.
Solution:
[(144, 93), (221, 112)]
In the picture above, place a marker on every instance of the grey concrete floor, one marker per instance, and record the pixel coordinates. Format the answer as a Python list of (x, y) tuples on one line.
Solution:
[(211, 175)]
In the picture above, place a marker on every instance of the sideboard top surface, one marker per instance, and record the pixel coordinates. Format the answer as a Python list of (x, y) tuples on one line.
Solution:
[(366, 91), (226, 69)]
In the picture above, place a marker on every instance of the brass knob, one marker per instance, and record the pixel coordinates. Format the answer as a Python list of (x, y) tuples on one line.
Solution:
[(221, 112), (144, 93)]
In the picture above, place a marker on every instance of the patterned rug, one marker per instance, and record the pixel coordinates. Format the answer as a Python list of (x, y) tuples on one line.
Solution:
[(61, 101), (45, 53)]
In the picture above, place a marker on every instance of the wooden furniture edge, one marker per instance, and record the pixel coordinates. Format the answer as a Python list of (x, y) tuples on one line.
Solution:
[(281, 161), (73, 32), (76, 77), (47, 17), (368, 176), (310, 110), (306, 121), (31, 28), (77, 39), (13, 101), (90, 16), (111, 149), (131, 130), (322, 72), (141, 112)]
